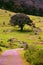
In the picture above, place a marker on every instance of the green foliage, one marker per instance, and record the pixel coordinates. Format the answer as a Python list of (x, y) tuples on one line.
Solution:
[(21, 19), (0, 49), (34, 56), (21, 7), (1, 3)]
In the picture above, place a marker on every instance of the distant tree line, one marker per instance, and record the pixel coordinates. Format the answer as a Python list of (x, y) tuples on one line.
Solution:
[(15, 6)]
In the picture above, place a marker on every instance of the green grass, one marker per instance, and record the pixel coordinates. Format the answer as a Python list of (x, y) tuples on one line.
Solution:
[(27, 36)]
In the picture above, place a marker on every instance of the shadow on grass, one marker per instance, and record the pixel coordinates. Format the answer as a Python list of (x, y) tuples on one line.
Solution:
[(24, 31)]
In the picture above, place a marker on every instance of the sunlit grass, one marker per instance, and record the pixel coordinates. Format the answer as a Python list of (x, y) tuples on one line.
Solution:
[(22, 36)]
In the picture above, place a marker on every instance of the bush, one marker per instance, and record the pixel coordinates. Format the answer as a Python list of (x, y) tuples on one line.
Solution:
[(2, 45), (34, 55), (0, 49)]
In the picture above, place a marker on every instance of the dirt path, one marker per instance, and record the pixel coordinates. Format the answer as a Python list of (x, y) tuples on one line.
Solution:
[(11, 57)]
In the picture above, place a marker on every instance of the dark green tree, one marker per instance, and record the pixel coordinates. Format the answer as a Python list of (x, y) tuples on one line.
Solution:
[(1, 3), (21, 19)]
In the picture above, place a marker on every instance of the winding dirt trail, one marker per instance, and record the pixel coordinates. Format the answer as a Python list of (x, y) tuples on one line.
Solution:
[(11, 57)]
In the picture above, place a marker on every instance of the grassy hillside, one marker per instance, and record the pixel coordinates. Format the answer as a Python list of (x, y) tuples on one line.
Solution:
[(28, 36)]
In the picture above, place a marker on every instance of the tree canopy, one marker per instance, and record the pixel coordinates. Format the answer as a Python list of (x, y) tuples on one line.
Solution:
[(21, 19)]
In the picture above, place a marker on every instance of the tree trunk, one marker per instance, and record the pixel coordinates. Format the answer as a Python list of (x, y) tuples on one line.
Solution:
[(21, 28)]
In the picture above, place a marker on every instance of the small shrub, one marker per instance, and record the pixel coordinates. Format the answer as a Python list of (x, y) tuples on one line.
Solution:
[(0, 49), (39, 38), (4, 23), (9, 14), (1, 41), (34, 55)]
